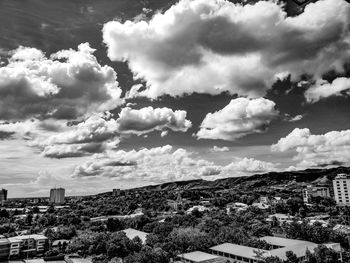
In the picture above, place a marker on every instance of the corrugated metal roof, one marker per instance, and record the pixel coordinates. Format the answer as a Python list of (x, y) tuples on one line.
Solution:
[(237, 250), (282, 242), (198, 256)]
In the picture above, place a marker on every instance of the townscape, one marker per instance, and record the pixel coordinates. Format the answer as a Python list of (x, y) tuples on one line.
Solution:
[(293, 217), (174, 131)]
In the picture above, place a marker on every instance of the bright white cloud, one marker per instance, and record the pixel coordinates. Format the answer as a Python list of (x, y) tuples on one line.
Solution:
[(331, 148), (99, 172), (220, 149), (55, 139), (250, 165), (295, 118), (148, 119), (67, 85), (239, 118), (323, 89), (163, 164), (98, 133), (211, 46)]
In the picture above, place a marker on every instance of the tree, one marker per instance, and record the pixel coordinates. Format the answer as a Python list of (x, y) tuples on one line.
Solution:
[(325, 255), (51, 209), (291, 257), (29, 219), (188, 239), (36, 210), (148, 255), (114, 224)]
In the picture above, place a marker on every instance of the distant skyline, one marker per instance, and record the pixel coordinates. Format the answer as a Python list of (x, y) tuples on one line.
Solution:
[(96, 95)]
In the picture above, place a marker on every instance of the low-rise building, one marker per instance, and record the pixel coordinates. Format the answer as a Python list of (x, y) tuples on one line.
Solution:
[(342, 229), (277, 200), (264, 199), (4, 249), (200, 208), (236, 207), (33, 244), (279, 247), (313, 191), (261, 205), (14, 247), (132, 233), (281, 218)]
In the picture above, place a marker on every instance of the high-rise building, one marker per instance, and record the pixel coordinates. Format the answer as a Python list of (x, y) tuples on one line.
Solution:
[(116, 192), (341, 186), (57, 195), (3, 196)]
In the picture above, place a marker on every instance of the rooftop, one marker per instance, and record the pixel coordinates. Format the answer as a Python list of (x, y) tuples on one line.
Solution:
[(34, 236), (132, 233), (238, 250), (4, 241), (280, 241), (198, 256), (14, 239), (342, 176), (299, 247)]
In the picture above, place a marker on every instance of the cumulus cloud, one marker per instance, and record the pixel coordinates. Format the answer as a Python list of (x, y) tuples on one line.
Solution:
[(213, 46), (163, 164), (67, 85), (148, 119), (31, 129), (239, 118), (98, 133), (160, 164), (164, 133), (220, 149), (250, 165), (77, 150), (323, 89), (294, 119), (331, 148)]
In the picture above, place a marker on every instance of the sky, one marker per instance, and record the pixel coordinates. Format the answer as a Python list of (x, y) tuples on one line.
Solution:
[(96, 95)]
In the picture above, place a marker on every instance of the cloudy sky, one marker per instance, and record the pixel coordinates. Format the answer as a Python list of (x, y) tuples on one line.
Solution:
[(105, 94)]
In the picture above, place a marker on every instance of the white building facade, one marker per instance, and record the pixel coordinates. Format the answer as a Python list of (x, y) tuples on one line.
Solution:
[(341, 187)]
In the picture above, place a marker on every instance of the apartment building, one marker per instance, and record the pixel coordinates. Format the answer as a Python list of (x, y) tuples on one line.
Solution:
[(341, 187), (4, 248), (15, 247), (57, 195), (3, 196)]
